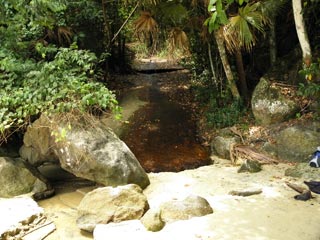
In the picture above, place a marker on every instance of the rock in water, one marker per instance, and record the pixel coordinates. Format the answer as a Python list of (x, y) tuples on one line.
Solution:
[(109, 204), (100, 156), (88, 150)]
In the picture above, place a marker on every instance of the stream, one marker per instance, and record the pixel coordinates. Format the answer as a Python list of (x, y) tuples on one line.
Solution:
[(162, 132)]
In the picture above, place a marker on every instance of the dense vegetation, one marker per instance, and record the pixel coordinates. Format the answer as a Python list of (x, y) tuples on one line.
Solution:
[(56, 56)]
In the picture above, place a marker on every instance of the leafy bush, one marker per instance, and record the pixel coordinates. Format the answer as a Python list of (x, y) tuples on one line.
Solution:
[(66, 83), (311, 88), (224, 116), (38, 77)]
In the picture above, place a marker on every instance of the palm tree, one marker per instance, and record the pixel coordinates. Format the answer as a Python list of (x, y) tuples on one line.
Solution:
[(146, 28), (240, 34), (225, 62), (178, 39)]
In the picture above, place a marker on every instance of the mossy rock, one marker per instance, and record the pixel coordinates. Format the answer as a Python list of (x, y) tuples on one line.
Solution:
[(303, 170), (250, 166)]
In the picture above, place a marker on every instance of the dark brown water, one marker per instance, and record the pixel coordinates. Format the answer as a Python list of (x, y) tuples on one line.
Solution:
[(162, 133)]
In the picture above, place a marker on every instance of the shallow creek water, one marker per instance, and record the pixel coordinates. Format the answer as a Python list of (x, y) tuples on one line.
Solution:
[(162, 133)]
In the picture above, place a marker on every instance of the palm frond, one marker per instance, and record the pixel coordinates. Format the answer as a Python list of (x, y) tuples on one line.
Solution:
[(178, 39), (145, 23), (61, 35), (240, 31)]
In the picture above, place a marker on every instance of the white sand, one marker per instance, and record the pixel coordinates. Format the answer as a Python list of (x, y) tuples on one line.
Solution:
[(273, 214)]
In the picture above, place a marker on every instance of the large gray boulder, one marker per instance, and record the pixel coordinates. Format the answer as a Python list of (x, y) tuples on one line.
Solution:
[(297, 143), (15, 179), (270, 105), (88, 150), (109, 204)]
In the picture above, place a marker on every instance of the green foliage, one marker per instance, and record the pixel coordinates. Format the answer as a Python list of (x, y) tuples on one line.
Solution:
[(66, 83), (218, 15), (38, 77), (224, 115), (240, 32), (311, 88)]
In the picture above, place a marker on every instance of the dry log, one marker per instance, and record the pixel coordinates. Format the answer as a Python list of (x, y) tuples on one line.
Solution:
[(305, 194), (296, 187), (245, 193), (245, 151), (40, 232)]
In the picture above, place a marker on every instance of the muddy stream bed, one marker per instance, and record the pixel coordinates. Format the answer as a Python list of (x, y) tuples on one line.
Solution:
[(162, 133)]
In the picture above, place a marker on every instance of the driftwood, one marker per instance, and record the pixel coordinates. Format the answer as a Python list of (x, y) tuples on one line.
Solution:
[(245, 193), (305, 194), (250, 153), (296, 187), (40, 232)]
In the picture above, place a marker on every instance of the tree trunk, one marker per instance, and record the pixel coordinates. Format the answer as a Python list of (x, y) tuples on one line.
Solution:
[(273, 42), (301, 32), (107, 28), (241, 76), (214, 76), (226, 65)]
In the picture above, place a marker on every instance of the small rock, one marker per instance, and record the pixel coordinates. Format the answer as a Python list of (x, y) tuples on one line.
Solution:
[(192, 206), (152, 220), (250, 166)]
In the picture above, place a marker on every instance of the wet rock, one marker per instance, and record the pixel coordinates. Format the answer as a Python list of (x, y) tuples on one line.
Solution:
[(192, 206), (270, 105), (88, 150), (152, 220), (109, 204), (15, 179), (303, 170), (250, 166), (18, 216)]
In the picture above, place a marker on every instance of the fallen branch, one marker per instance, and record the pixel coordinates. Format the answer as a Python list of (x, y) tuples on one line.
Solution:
[(296, 187), (40, 232), (247, 152), (305, 194), (245, 193)]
